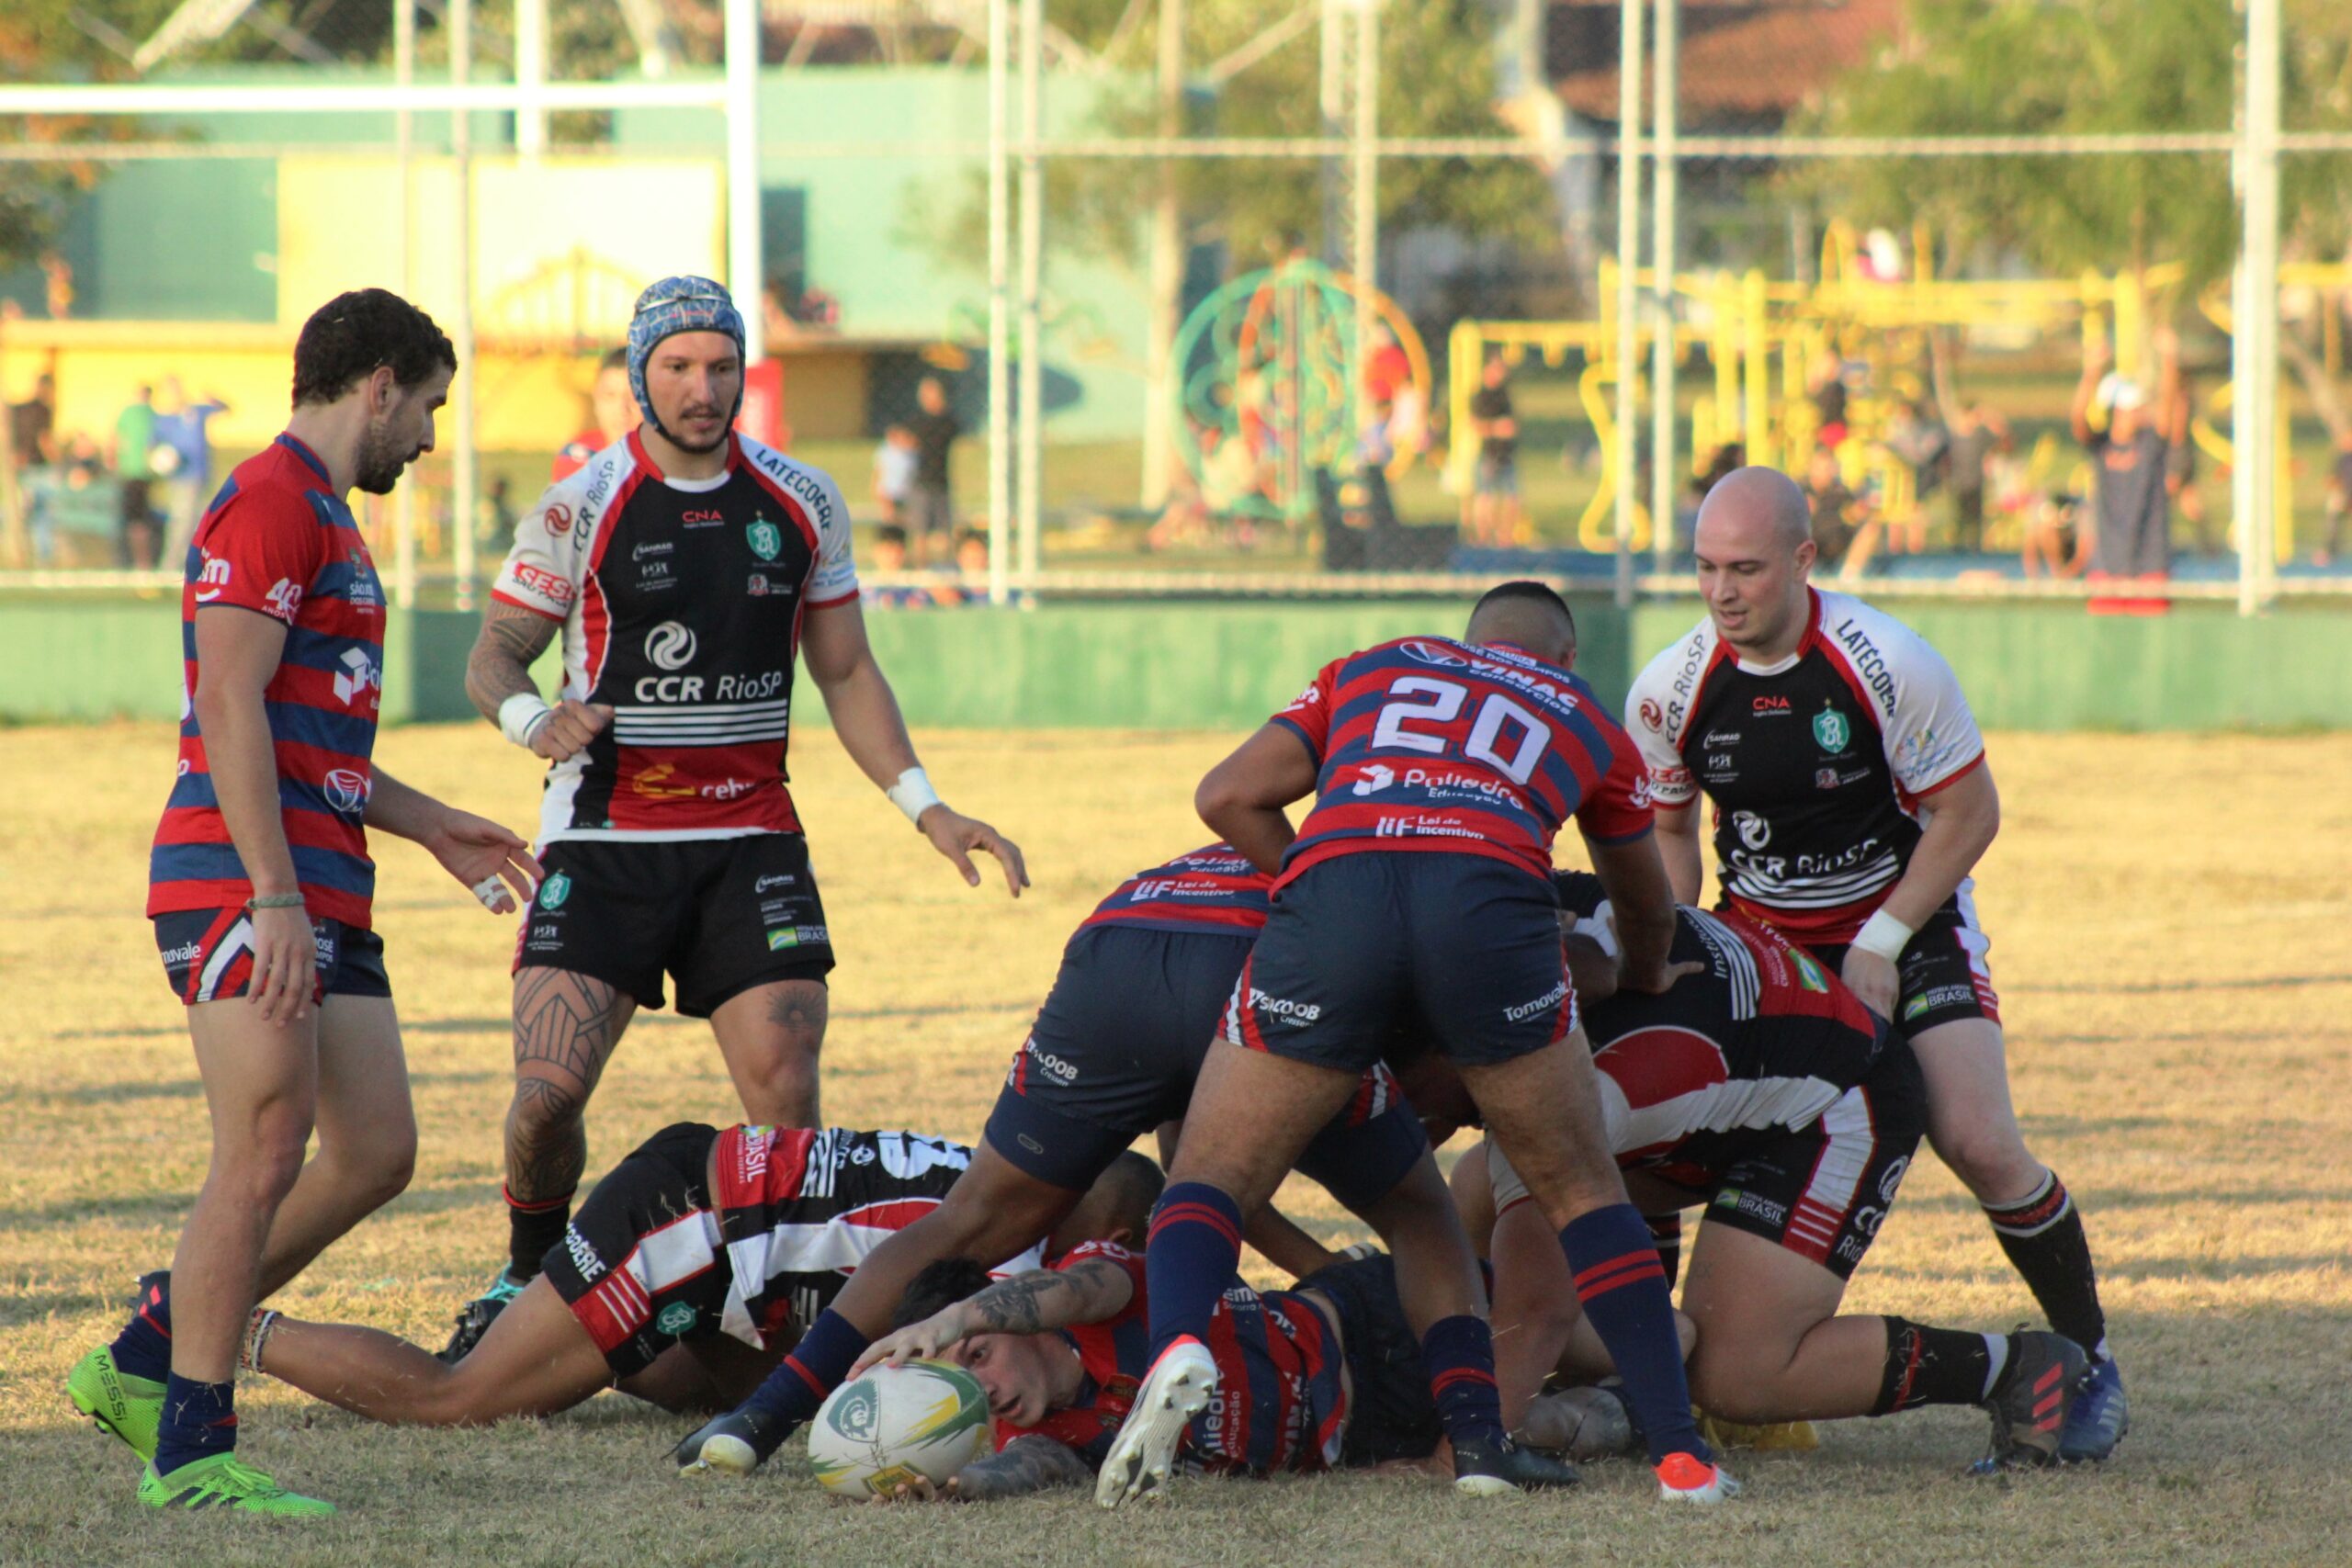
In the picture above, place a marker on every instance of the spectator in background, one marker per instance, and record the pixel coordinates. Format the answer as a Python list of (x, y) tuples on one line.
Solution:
[(971, 552), (2131, 520), (1494, 493), (1916, 439), (183, 461), (1845, 526), (894, 476), (1977, 435), (2180, 467), (887, 558), (612, 412), (32, 425), (2053, 541), (931, 510), (2339, 500), (1825, 384), (129, 451)]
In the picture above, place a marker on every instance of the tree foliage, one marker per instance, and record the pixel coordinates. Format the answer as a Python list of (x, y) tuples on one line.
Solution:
[(1436, 78), (2023, 67)]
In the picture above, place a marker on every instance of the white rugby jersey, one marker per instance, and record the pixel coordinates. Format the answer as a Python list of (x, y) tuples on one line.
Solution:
[(1816, 766), (682, 603)]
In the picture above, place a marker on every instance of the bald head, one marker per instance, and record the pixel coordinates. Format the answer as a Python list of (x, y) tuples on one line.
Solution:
[(1754, 542), (1755, 507)]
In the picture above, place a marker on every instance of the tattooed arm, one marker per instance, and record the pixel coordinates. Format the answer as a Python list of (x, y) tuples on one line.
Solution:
[(1090, 1291), (500, 668), (1028, 1464)]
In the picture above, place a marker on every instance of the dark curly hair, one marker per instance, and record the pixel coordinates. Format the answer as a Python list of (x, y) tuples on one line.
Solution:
[(941, 1285), (352, 334)]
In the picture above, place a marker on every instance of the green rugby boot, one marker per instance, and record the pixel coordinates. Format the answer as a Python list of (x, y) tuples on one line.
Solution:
[(221, 1481), (125, 1407)]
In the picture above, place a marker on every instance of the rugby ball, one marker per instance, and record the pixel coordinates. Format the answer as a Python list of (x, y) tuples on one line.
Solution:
[(881, 1430)]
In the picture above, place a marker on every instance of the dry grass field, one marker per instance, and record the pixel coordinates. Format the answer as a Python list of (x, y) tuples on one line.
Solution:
[(2170, 921)]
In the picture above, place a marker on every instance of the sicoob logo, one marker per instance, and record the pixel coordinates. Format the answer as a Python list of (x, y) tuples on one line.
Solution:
[(670, 646)]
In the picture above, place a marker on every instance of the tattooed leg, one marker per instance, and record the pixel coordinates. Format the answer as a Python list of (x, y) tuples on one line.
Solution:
[(770, 1036), (565, 1028)]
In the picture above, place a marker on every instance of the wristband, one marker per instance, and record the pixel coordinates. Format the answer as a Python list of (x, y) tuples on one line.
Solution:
[(274, 902), (520, 715), (1884, 935), (913, 795)]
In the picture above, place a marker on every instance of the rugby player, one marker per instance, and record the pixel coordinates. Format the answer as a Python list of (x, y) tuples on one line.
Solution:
[(686, 1274), (260, 887), (1326, 1375), (1418, 886), (1762, 1088), (1851, 802), (684, 566), (1114, 1054)]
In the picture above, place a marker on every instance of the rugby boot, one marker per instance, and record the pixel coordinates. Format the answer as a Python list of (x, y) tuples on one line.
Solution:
[(1504, 1469), (2030, 1400), (734, 1444), (478, 1314), (2099, 1419), (1178, 1387), (125, 1407), (223, 1481), (1687, 1478)]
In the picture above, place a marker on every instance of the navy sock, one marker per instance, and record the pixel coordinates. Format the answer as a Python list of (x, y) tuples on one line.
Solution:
[(1459, 1354), (1623, 1286), (1194, 1253), (200, 1420), (143, 1349), (814, 1369)]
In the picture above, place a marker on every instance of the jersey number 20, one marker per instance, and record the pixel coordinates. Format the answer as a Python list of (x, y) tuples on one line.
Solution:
[(1440, 702)]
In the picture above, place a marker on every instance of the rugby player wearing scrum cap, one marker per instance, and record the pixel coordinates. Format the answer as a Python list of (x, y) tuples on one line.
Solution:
[(684, 566)]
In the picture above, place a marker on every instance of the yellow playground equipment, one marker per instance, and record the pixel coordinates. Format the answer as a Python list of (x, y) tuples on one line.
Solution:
[(1762, 340)]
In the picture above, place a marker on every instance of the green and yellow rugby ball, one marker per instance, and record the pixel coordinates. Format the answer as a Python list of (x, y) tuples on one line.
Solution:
[(884, 1428)]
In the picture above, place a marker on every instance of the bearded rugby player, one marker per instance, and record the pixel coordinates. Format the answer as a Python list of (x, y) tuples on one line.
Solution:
[(686, 566)]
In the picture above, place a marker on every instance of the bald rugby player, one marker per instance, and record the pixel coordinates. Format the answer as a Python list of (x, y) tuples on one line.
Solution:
[(1851, 802)]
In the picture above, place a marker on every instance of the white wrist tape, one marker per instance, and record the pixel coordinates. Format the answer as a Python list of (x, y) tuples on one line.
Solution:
[(1884, 935), (520, 715), (913, 795)]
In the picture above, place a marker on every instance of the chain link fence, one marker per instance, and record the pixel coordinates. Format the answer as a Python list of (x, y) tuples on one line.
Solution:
[(1081, 296)]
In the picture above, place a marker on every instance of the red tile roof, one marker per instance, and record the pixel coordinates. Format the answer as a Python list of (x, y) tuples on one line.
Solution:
[(1741, 59)]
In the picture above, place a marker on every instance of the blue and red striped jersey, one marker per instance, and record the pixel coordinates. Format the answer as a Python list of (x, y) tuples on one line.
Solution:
[(279, 541), (1426, 743), (1281, 1399), (1213, 889)]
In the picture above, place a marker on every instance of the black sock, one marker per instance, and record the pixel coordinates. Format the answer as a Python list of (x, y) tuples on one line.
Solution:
[(532, 1229), (1938, 1366), (2043, 1235)]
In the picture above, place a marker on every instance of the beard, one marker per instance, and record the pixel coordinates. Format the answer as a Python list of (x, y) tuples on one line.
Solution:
[(704, 450), (381, 462)]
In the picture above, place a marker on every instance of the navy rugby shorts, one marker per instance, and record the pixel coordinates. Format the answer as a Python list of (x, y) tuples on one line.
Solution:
[(1116, 1049)]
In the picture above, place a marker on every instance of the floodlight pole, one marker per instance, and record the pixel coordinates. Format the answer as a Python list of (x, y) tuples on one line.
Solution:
[(1364, 227), (403, 158), (744, 261), (1032, 426), (1664, 178), (999, 301), (464, 481), (530, 72), (2254, 335), (1629, 255)]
